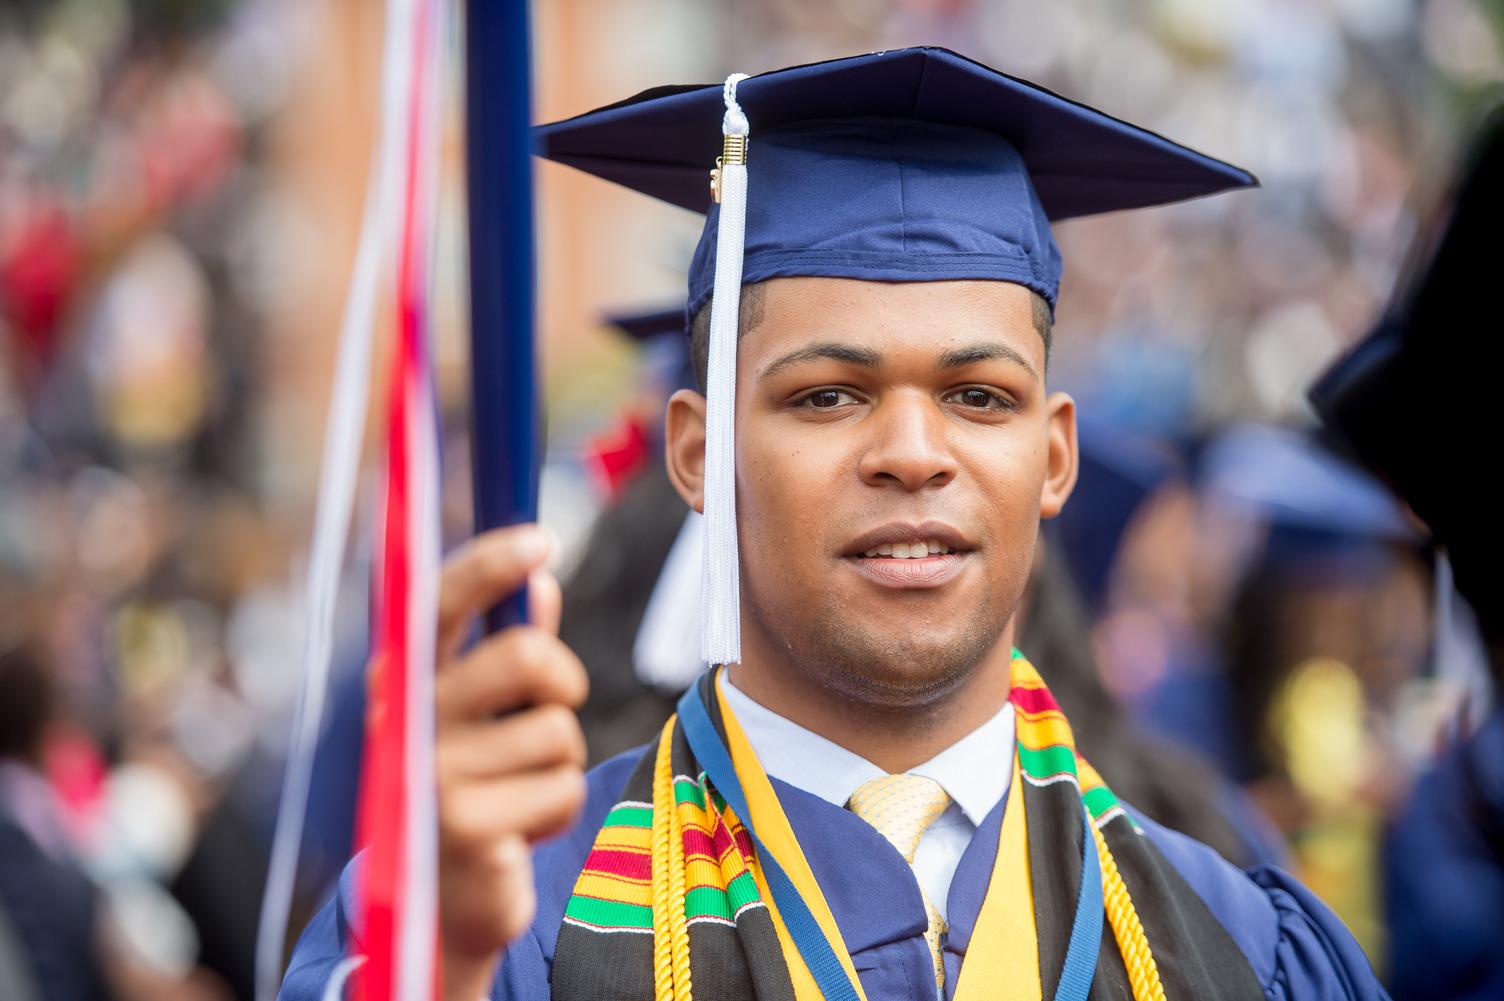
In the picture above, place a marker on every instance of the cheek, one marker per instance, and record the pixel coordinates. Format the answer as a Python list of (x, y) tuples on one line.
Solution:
[(1010, 472), (781, 486)]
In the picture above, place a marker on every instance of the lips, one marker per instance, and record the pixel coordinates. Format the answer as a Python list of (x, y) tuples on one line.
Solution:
[(896, 534), (910, 556)]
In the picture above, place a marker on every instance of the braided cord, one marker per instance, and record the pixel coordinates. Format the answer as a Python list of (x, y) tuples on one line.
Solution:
[(1143, 972), (678, 922), (662, 838), (670, 925)]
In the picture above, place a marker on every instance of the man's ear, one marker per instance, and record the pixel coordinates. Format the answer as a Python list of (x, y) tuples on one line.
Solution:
[(684, 446), (1063, 460)]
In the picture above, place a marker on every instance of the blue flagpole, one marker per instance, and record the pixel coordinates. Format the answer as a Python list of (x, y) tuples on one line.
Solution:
[(505, 441)]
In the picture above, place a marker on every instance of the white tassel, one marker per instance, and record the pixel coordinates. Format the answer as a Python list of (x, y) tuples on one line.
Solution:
[(722, 610)]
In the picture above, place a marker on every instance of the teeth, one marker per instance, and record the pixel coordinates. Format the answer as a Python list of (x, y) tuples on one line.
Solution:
[(909, 550)]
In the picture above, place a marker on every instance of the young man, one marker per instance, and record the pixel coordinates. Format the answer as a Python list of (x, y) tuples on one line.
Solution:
[(879, 798)]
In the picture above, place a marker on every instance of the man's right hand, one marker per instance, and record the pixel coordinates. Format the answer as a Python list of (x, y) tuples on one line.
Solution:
[(510, 756)]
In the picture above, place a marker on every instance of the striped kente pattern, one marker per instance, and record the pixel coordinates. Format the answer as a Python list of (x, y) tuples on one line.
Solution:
[(1047, 750), (614, 892)]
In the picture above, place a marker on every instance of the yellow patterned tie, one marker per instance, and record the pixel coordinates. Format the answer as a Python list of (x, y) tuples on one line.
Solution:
[(901, 807)]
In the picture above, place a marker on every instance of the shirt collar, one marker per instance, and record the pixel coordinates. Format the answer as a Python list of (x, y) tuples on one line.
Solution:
[(805, 760)]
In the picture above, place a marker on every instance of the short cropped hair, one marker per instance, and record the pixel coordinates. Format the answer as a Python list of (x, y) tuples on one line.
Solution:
[(751, 316)]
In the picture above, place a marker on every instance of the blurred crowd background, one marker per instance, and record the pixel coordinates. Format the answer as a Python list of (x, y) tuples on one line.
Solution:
[(180, 186)]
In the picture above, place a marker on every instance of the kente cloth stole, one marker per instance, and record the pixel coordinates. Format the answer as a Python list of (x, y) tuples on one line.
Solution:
[(673, 903)]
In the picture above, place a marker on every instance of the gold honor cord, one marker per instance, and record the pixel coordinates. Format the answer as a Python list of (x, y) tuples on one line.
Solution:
[(1133, 944), (671, 980)]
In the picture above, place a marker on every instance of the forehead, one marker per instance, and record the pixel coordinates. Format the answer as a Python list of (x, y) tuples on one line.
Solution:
[(896, 318)]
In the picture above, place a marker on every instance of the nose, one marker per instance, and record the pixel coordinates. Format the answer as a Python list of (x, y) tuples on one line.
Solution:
[(908, 447)]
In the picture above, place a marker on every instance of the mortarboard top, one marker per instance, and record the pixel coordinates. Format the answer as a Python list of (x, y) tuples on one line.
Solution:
[(908, 165)]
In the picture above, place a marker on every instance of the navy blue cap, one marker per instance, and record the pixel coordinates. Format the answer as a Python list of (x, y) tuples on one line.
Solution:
[(645, 325), (909, 165), (1292, 480)]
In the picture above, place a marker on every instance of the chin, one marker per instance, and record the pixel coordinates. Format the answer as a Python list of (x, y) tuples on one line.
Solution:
[(882, 655), (878, 670)]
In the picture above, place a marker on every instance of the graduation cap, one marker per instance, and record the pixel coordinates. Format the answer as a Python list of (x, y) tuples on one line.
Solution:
[(1325, 517), (645, 325), (659, 333), (1291, 478), (1417, 400), (909, 165)]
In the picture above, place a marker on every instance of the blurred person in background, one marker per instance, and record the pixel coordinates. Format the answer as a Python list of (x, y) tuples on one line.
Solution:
[(48, 902), (75, 941), (1325, 643), (1276, 620)]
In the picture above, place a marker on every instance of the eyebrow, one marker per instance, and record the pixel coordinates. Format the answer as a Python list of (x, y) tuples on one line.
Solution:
[(962, 357), (868, 358), (865, 357)]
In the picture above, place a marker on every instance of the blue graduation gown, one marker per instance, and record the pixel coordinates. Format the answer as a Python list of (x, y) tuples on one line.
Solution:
[(1296, 946), (1444, 877)]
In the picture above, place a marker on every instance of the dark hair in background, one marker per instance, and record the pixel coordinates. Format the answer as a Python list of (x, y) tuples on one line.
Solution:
[(1167, 783), (750, 315), (27, 702)]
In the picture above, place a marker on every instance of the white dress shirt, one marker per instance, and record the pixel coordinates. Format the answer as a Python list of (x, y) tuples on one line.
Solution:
[(974, 771)]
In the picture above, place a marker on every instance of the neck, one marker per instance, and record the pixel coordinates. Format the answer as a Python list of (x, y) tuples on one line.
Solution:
[(893, 736)]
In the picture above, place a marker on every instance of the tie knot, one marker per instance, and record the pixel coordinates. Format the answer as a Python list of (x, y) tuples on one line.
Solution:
[(901, 807)]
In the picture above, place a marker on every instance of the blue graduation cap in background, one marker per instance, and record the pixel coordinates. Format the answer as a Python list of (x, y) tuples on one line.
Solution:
[(647, 324), (909, 165), (1323, 513)]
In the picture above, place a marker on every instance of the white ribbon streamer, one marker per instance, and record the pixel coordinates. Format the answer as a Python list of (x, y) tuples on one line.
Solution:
[(722, 580), (344, 431)]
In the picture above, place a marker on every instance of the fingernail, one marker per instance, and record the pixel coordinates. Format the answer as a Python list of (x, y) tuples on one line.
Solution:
[(533, 543), (539, 543)]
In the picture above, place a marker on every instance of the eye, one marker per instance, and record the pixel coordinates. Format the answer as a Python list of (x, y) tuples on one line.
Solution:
[(827, 399), (977, 398)]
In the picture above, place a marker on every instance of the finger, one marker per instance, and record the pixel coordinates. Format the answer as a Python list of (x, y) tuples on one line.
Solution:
[(481, 573), (487, 901), (535, 804), (519, 666), (545, 600), (534, 738)]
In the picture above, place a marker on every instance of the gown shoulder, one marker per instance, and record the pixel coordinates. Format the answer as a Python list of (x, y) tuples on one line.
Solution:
[(1299, 949)]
